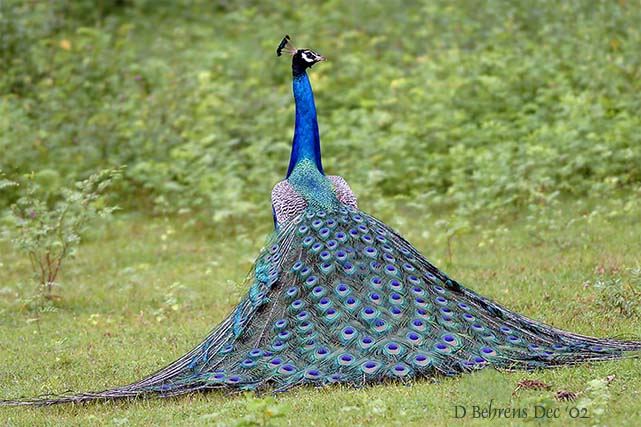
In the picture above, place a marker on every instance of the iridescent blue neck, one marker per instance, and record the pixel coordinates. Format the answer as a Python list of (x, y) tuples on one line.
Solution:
[(306, 144)]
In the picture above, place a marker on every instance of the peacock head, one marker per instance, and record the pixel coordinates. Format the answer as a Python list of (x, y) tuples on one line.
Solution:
[(302, 59), (306, 185)]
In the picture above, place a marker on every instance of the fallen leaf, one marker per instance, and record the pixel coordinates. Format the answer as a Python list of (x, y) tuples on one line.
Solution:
[(531, 385), (566, 395)]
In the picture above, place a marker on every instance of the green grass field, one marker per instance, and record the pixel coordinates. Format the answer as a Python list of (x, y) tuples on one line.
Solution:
[(141, 292)]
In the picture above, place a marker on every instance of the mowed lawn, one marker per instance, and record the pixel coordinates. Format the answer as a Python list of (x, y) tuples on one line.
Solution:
[(142, 291)]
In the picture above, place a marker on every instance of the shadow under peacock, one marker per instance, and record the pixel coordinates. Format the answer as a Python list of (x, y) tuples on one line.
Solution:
[(337, 296)]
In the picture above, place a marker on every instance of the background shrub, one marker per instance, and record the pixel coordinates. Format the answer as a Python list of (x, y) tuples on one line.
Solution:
[(478, 106)]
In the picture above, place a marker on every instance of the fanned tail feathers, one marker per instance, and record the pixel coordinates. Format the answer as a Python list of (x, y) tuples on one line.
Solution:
[(338, 296)]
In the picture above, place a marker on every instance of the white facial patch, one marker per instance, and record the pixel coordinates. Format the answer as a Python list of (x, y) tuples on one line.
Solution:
[(309, 56)]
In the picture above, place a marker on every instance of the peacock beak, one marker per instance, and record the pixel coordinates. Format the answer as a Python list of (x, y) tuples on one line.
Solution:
[(321, 58)]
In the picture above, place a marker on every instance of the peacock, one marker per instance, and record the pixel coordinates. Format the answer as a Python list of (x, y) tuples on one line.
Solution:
[(337, 296)]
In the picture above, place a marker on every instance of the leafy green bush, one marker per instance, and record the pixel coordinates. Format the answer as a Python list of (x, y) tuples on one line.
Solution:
[(479, 106), (47, 227)]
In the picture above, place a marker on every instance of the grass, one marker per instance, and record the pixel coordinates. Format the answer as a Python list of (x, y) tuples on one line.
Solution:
[(142, 291)]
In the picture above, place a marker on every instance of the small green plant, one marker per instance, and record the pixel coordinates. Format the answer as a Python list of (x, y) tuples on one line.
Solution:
[(170, 302), (46, 225), (262, 411), (4, 182), (620, 294), (541, 404), (452, 228), (595, 399)]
